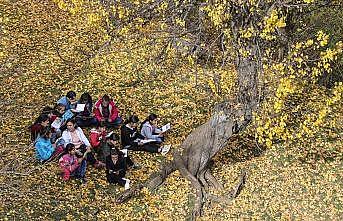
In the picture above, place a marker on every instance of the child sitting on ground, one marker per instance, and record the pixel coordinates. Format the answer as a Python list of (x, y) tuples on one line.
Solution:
[(41, 122), (117, 163), (106, 111), (73, 166), (97, 135), (45, 150), (150, 130), (69, 100), (85, 117), (132, 140)]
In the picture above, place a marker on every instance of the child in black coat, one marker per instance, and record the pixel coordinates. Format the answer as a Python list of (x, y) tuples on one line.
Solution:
[(117, 163)]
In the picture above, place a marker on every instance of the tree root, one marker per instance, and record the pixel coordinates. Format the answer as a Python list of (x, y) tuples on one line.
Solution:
[(213, 181), (238, 188), (200, 183), (197, 210), (227, 198)]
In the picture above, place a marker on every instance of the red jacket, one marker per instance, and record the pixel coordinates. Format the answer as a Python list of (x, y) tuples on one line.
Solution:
[(95, 138), (112, 109)]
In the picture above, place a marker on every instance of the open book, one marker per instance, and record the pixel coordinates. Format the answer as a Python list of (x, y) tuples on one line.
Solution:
[(165, 127), (144, 141), (80, 107), (109, 134), (147, 141), (57, 123)]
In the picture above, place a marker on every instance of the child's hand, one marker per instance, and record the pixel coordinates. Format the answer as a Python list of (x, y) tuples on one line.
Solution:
[(88, 150)]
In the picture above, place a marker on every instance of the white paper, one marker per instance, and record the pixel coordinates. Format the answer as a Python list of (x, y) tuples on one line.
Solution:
[(165, 127), (109, 134), (80, 107), (57, 123), (147, 141)]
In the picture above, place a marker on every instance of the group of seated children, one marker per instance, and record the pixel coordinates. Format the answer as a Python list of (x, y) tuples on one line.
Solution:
[(57, 132)]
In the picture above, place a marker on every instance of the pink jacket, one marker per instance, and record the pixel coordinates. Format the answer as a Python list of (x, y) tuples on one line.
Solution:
[(112, 109), (69, 162)]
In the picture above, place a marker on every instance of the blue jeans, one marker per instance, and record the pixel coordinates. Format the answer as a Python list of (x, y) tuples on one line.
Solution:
[(81, 170), (114, 124), (87, 122)]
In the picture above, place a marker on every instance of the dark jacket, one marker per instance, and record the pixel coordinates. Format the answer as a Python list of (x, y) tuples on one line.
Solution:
[(116, 171), (130, 136)]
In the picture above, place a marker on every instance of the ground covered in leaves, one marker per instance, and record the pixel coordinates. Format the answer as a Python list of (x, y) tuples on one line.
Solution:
[(280, 184), (285, 182)]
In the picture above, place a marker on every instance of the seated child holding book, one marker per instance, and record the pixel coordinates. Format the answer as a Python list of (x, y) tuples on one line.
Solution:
[(85, 117), (41, 122), (68, 101), (60, 118), (117, 162), (106, 111), (150, 130)]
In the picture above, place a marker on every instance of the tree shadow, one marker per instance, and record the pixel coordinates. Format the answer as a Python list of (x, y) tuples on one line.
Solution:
[(241, 148)]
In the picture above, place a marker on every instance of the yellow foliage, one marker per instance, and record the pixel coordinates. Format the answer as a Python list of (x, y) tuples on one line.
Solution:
[(68, 47)]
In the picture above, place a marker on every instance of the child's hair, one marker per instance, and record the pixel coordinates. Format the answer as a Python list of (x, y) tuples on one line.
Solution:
[(86, 98), (72, 120), (47, 110), (71, 94), (59, 106), (70, 147), (113, 137), (41, 118), (151, 117), (45, 132), (114, 151), (132, 119), (106, 98)]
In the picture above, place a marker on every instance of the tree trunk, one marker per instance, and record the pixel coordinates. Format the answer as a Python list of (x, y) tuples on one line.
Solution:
[(204, 142)]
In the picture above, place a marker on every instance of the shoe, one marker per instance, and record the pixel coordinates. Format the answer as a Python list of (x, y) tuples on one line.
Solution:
[(165, 149), (136, 166), (127, 184), (124, 151)]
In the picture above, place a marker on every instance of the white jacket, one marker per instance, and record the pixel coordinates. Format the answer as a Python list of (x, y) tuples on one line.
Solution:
[(67, 137)]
